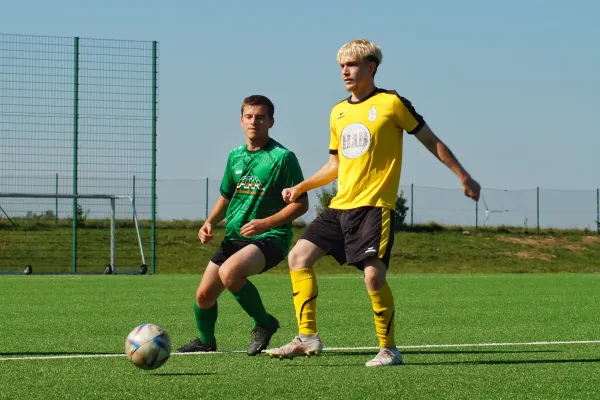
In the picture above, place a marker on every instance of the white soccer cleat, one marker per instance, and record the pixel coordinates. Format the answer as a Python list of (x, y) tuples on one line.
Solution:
[(387, 356), (300, 346)]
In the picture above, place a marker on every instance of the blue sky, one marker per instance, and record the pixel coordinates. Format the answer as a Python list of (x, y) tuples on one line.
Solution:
[(512, 87)]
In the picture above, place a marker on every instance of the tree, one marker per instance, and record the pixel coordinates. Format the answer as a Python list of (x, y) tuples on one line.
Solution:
[(325, 195), (81, 215), (401, 210), (49, 214)]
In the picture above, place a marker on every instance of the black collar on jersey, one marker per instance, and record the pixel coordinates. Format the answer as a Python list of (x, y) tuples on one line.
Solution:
[(373, 93)]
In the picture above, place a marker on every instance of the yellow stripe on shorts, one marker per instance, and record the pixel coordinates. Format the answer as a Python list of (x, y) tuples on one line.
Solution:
[(386, 225)]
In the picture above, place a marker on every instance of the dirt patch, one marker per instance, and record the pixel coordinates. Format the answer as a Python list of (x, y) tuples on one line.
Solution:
[(545, 242), (590, 239), (532, 255)]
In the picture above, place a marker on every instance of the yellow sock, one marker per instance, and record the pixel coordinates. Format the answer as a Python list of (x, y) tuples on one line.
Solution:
[(383, 307), (305, 292)]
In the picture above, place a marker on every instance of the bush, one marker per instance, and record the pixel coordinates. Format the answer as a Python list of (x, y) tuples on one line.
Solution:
[(81, 215), (401, 210), (325, 195)]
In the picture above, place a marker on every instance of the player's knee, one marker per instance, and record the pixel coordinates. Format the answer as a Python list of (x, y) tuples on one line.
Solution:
[(204, 299), (229, 278), (374, 278), (297, 259), (370, 275)]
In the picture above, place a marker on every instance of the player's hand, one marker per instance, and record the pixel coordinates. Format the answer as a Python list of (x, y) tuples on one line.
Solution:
[(254, 227), (471, 188), (290, 194), (205, 233)]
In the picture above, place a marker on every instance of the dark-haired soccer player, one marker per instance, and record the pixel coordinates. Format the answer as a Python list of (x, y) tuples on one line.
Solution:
[(358, 227), (258, 233)]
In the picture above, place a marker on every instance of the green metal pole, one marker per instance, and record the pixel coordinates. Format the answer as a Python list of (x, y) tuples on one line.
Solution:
[(154, 116), (412, 203), (598, 210), (56, 201), (206, 200), (538, 210), (75, 149), (133, 199)]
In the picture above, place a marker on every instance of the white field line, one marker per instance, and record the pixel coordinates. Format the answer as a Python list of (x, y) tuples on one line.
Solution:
[(422, 346)]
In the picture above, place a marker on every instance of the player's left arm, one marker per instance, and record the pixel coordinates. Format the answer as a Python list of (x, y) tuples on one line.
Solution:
[(439, 149), (287, 214), (407, 118)]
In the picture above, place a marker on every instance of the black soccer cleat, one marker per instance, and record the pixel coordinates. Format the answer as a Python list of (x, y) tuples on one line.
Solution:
[(196, 346), (261, 336)]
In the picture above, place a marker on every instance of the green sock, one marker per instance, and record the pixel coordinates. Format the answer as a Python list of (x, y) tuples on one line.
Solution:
[(251, 302), (206, 320)]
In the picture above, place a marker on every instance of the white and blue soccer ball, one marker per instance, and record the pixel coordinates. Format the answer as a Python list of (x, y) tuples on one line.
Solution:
[(148, 346)]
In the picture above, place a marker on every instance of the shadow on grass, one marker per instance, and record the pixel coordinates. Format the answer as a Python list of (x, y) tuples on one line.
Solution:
[(509, 362), (184, 374), (462, 363), (405, 352)]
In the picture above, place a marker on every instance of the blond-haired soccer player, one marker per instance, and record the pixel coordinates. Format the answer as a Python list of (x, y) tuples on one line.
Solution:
[(358, 227)]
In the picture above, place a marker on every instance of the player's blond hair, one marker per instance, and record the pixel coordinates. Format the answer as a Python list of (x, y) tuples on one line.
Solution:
[(362, 49)]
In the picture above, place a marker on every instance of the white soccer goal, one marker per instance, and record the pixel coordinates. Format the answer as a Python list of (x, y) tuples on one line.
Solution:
[(111, 266)]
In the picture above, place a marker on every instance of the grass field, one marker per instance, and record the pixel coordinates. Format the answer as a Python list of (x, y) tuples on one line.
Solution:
[(424, 249), (468, 336)]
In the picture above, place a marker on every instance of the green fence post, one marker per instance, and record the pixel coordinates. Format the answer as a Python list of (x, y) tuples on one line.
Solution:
[(75, 148), (56, 201), (598, 210), (538, 209), (412, 203), (154, 116), (133, 199)]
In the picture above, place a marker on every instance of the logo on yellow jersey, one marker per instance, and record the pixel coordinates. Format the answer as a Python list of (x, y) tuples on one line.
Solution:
[(372, 114), (356, 139)]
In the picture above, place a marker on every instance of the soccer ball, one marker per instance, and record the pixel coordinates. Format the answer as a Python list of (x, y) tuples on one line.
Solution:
[(148, 346)]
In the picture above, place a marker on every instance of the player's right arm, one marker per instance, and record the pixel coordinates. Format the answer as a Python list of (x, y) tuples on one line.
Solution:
[(322, 177), (216, 215), (219, 210), (325, 175)]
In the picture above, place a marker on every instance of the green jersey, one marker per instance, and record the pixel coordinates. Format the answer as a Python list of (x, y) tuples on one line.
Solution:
[(252, 182)]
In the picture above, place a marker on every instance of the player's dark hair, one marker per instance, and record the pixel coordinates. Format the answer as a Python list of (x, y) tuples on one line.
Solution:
[(259, 100)]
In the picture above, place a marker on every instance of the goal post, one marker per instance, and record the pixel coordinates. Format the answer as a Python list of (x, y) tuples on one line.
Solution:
[(20, 232), (78, 116)]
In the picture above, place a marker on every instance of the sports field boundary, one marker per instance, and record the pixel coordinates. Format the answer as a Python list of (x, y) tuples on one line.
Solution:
[(326, 349)]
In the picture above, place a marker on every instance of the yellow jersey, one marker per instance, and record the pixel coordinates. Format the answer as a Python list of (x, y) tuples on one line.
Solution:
[(367, 136)]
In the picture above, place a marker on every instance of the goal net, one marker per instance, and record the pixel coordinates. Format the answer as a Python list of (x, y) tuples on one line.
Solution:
[(67, 233)]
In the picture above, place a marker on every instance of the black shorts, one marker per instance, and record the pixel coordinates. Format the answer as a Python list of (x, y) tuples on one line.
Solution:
[(351, 236), (273, 254)]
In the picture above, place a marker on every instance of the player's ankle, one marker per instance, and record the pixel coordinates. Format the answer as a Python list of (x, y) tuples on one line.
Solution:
[(393, 349), (305, 336)]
